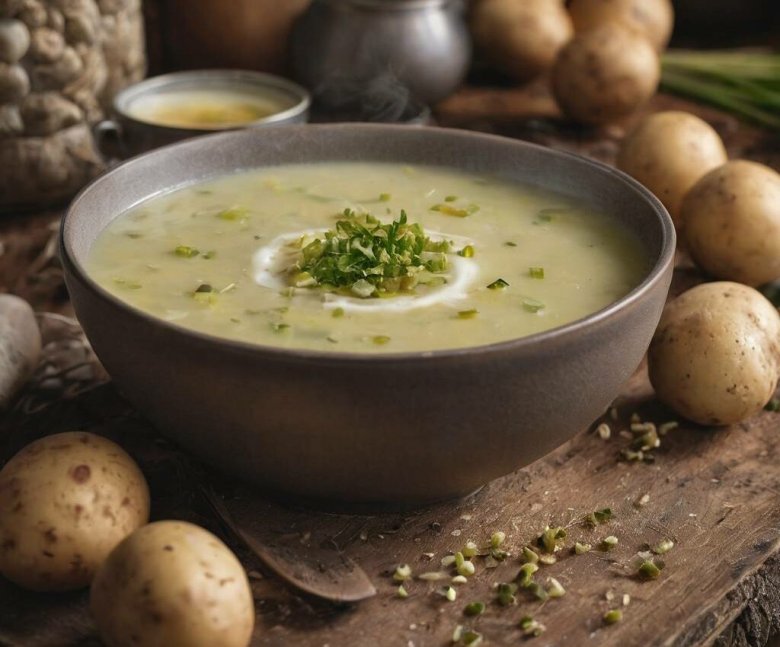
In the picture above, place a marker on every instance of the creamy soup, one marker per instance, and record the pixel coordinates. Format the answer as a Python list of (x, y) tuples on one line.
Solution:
[(207, 109), (365, 257)]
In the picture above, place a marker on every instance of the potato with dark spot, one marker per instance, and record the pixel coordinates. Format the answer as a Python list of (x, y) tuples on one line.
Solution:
[(669, 152), (172, 583), (66, 501), (604, 74), (731, 222), (715, 357), (654, 18)]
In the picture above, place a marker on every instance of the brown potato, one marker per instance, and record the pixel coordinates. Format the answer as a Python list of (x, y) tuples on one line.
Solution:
[(731, 222), (172, 583), (604, 74), (654, 18), (715, 357), (668, 152), (65, 501), (521, 37)]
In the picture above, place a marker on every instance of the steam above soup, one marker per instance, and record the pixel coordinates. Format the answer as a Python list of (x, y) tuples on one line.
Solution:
[(365, 257)]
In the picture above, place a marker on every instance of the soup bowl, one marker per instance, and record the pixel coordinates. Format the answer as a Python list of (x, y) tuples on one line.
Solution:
[(394, 428)]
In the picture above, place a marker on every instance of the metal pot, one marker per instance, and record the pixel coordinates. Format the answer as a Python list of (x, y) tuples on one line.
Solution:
[(407, 49)]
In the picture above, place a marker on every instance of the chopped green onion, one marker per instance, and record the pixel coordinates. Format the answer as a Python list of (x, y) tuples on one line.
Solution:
[(234, 213), (380, 340), (337, 313), (384, 197), (474, 609), (609, 543), (450, 198), (537, 590), (530, 556), (598, 517), (467, 251), (498, 284), (554, 588), (279, 327), (467, 314), (402, 573), (532, 305), (185, 251), (531, 627), (509, 243), (581, 549), (401, 592), (613, 616), (448, 592), (536, 272), (459, 579), (547, 559), (449, 210), (497, 538), (664, 546), (526, 573), (649, 570), (505, 593), (470, 549), (551, 539), (471, 639)]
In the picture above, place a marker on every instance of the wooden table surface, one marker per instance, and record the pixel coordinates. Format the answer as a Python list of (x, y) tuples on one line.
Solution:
[(714, 492)]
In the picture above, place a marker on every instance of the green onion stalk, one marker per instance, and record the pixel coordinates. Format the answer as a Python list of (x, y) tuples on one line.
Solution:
[(744, 83)]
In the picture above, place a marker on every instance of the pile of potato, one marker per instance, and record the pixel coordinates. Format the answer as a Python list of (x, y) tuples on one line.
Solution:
[(74, 511), (602, 55)]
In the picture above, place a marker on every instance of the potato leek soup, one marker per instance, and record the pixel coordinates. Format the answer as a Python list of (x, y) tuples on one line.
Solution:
[(365, 257)]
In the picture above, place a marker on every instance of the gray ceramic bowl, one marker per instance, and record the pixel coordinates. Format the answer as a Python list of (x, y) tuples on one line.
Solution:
[(310, 423)]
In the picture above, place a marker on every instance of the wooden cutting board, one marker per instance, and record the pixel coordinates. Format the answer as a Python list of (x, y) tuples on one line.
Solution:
[(714, 492)]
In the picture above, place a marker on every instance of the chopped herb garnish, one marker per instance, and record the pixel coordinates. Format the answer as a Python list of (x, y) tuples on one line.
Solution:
[(531, 627), (448, 592), (505, 593), (401, 592), (497, 538), (471, 639), (380, 340), (498, 284), (598, 517), (209, 254), (532, 305), (384, 197), (509, 243), (467, 251), (467, 314), (664, 546), (470, 549), (536, 272), (204, 287), (128, 283), (367, 257), (474, 609), (449, 210), (581, 549), (529, 556), (279, 327), (526, 574), (337, 313), (555, 588), (551, 539), (609, 543), (649, 570), (547, 559), (613, 616), (185, 251), (234, 213), (402, 573), (450, 198)]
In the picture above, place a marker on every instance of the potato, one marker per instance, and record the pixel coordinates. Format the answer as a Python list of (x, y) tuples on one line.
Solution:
[(668, 152), (172, 583), (522, 37), (654, 18), (65, 502), (715, 357), (604, 74), (731, 222)]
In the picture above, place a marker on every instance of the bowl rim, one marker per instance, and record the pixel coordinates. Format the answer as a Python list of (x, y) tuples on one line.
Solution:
[(247, 78), (652, 277)]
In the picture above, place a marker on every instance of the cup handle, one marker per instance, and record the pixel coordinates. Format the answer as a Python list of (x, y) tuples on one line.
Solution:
[(108, 139)]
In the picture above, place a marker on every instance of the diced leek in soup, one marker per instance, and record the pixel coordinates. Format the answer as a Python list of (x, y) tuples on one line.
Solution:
[(365, 257)]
